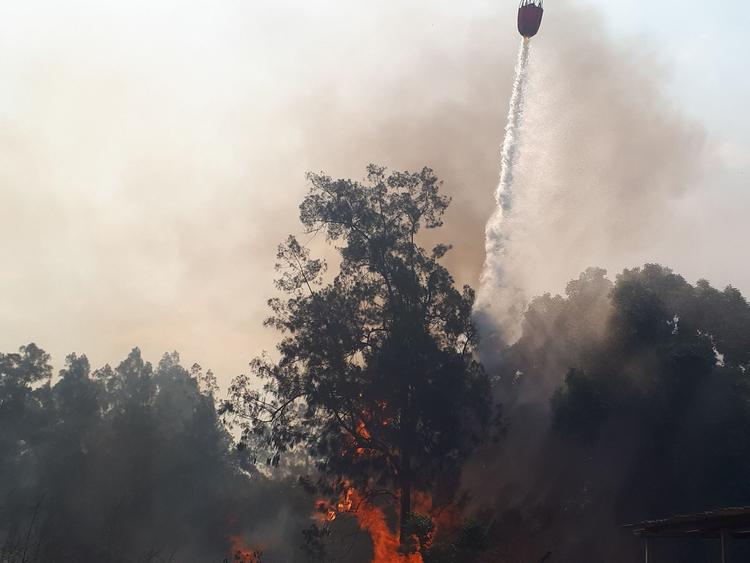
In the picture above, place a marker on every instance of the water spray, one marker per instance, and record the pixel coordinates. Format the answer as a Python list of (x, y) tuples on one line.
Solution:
[(496, 301)]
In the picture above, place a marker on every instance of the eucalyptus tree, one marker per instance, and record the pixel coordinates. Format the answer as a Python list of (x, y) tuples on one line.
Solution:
[(376, 376)]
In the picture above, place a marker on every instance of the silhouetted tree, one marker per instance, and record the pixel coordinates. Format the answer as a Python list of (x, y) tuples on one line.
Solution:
[(123, 464), (376, 377), (670, 379), (24, 395), (643, 383)]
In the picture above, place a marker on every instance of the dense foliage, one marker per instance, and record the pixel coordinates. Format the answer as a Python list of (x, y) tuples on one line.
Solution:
[(123, 464), (623, 400), (651, 416), (376, 376)]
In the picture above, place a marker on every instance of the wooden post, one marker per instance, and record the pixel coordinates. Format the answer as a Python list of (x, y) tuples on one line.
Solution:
[(726, 547), (647, 550)]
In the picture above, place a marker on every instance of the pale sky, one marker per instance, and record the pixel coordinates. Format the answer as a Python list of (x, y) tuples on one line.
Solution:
[(705, 46), (152, 153)]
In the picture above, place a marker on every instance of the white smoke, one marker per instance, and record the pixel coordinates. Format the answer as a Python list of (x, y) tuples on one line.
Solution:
[(498, 302), (147, 178)]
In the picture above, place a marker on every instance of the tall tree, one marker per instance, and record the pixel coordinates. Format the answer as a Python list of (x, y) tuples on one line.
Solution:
[(376, 375)]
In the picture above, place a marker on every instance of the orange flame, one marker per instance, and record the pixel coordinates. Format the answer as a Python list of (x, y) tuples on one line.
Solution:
[(363, 433), (324, 511), (385, 543), (371, 519), (241, 553), (444, 518)]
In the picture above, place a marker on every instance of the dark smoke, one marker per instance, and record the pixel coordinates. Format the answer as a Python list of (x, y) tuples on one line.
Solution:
[(624, 401)]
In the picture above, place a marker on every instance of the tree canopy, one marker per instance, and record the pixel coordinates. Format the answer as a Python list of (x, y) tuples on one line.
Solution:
[(122, 464), (623, 400), (626, 401), (376, 376)]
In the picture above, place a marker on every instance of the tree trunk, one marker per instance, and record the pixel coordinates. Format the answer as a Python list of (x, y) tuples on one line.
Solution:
[(405, 500), (405, 479), (405, 471)]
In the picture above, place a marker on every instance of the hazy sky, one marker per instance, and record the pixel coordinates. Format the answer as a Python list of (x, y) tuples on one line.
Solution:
[(704, 47), (152, 153)]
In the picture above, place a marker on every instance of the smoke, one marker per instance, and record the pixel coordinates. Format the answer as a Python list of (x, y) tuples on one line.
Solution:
[(154, 155), (602, 170), (147, 177), (619, 397)]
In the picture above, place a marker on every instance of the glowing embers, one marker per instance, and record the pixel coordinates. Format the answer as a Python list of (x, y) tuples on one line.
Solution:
[(361, 439), (327, 512), (241, 553)]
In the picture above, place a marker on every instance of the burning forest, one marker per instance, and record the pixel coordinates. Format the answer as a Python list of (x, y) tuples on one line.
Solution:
[(460, 354), (376, 434)]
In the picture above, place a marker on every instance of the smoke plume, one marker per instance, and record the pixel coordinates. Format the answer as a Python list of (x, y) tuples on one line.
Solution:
[(153, 155), (623, 402), (147, 178)]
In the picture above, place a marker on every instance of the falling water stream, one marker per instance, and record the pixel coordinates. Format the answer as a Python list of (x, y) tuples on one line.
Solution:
[(495, 231), (508, 156)]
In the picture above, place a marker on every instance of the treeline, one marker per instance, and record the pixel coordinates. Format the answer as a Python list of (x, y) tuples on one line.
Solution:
[(377, 430), (121, 464), (622, 401), (627, 400)]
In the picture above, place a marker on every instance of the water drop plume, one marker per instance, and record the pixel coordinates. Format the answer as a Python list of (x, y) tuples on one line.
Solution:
[(497, 301)]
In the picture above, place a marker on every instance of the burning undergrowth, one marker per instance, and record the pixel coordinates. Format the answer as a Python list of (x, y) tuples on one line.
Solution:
[(376, 377), (376, 518), (372, 520), (241, 553)]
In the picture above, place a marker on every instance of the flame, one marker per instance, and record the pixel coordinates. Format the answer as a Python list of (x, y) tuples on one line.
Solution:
[(363, 433), (240, 553), (373, 418), (371, 519), (444, 518), (385, 543), (324, 511)]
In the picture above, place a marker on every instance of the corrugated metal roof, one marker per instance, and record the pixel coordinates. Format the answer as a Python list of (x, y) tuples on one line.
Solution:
[(703, 524)]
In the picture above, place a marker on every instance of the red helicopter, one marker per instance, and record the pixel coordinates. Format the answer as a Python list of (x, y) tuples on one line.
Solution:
[(530, 17)]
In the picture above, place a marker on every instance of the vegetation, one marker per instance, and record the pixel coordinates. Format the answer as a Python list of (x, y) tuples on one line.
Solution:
[(650, 408), (623, 400), (123, 464), (376, 376)]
